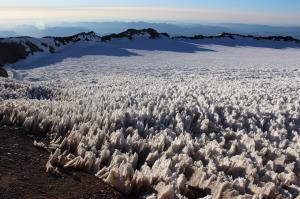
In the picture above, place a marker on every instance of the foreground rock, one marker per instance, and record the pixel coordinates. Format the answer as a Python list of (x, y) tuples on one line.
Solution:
[(22, 173), (3, 72)]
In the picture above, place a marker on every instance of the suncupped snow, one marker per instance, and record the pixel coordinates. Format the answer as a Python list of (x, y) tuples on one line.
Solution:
[(159, 123)]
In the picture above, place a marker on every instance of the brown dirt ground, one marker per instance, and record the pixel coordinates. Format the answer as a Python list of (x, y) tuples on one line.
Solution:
[(22, 173)]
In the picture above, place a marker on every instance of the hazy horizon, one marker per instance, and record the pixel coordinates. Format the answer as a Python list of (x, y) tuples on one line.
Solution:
[(60, 18), (267, 12), (173, 28)]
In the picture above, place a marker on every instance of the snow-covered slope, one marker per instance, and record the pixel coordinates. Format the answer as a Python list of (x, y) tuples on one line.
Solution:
[(16, 48), (167, 117)]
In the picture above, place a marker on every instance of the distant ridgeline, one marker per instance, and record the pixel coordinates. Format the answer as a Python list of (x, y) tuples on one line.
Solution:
[(235, 36), (14, 49)]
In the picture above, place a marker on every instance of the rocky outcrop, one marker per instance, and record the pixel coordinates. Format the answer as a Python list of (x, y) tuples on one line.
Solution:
[(3, 72), (11, 52), (236, 36), (272, 38), (89, 36), (17, 48), (130, 33)]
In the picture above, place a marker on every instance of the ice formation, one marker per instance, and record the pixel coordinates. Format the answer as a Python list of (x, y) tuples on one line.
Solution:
[(226, 123)]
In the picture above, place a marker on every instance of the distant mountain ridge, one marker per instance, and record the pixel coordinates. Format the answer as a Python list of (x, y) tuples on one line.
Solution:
[(174, 29), (235, 36), (14, 49)]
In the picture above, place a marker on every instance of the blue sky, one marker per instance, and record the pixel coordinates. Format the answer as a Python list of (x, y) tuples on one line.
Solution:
[(279, 12)]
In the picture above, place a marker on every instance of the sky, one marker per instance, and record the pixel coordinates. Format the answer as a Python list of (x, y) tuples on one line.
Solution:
[(269, 12)]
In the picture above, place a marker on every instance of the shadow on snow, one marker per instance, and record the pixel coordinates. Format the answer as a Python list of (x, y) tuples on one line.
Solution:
[(118, 48)]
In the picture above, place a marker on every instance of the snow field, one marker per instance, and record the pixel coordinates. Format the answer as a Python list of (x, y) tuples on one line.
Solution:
[(225, 122)]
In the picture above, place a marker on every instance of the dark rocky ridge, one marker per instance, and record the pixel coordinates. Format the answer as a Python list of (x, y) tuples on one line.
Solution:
[(16, 48), (235, 36), (89, 36), (153, 34)]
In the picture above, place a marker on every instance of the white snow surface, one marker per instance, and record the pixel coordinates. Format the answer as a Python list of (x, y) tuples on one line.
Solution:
[(156, 117)]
